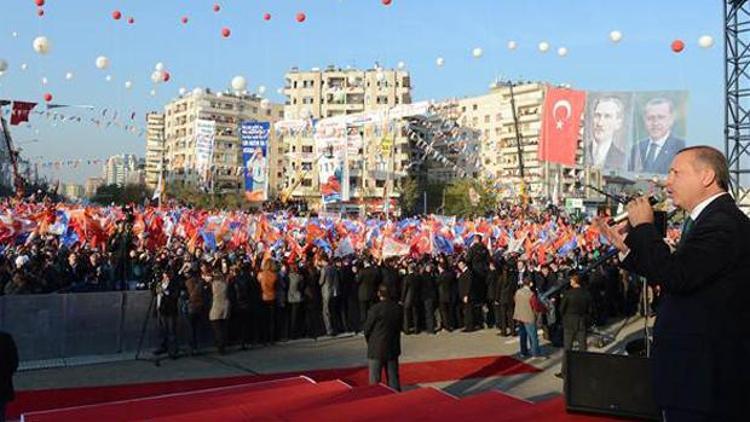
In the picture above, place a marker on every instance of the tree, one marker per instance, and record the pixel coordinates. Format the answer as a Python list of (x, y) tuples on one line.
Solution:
[(121, 195), (459, 201), (408, 195)]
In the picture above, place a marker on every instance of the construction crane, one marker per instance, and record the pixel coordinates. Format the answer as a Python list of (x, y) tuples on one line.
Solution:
[(18, 181), (286, 194)]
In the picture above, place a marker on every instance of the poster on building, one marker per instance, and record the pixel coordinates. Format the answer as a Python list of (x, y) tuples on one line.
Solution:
[(659, 130), (331, 145), (254, 139), (205, 133), (608, 130)]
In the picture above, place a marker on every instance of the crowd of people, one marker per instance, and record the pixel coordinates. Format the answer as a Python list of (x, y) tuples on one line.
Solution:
[(259, 278)]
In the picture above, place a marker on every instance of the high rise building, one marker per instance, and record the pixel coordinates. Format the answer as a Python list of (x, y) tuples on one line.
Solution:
[(73, 191), (118, 167), (154, 147), (225, 168), (92, 184)]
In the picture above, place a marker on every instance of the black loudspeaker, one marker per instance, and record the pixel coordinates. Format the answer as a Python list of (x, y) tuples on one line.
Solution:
[(614, 385)]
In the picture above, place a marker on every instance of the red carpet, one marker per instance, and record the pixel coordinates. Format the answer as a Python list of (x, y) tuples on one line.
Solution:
[(411, 373)]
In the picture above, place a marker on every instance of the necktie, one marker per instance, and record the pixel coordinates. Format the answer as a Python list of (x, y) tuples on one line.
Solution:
[(686, 227), (649, 156)]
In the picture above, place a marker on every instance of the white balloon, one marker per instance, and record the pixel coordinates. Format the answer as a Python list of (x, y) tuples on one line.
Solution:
[(157, 76), (14, 34), (262, 89), (239, 83), (24, 66), (543, 47), (3, 65), (477, 52), (706, 41), (153, 93), (264, 103), (159, 66), (562, 51), (41, 45), (280, 91), (615, 36), (197, 91), (69, 76), (44, 80), (128, 84), (512, 45), (108, 78), (102, 62), (440, 61), (401, 65), (183, 91), (2, 73)]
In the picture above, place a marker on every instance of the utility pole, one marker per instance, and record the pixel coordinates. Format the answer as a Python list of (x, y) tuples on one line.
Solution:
[(518, 141)]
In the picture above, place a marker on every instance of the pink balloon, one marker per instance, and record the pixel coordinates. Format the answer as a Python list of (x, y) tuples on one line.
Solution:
[(267, 16), (217, 7), (131, 20), (226, 32), (48, 97), (116, 15), (301, 17), (166, 76), (40, 12), (386, 2), (39, 3), (184, 19), (678, 46)]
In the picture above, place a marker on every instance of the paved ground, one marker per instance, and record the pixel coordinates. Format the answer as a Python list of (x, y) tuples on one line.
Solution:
[(326, 353)]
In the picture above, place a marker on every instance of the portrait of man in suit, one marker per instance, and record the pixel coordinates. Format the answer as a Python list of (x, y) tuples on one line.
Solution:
[(603, 149), (655, 153)]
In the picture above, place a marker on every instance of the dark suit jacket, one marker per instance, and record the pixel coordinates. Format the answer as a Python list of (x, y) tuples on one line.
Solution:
[(8, 366), (663, 160), (446, 281), (575, 307), (410, 290), (615, 159), (368, 280), (465, 286), (703, 321), (382, 330)]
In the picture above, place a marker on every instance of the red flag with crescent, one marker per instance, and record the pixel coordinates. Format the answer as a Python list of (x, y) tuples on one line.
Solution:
[(561, 124)]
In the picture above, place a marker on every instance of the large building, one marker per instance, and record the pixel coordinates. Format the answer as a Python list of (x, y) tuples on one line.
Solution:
[(154, 147), (73, 191), (375, 167), (92, 184), (118, 168), (227, 110)]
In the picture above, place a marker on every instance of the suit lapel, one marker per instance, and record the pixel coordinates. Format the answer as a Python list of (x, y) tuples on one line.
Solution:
[(718, 203)]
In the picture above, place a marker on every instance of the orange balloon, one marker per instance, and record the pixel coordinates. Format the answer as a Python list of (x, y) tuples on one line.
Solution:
[(678, 46)]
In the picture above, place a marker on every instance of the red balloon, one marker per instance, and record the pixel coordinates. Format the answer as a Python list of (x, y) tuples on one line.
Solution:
[(266, 16), (217, 7), (131, 20), (678, 46), (226, 32), (116, 15), (386, 2), (301, 17), (184, 19), (39, 3), (48, 97), (40, 12), (166, 76)]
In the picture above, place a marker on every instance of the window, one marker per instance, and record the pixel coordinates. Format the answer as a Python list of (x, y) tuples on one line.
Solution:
[(307, 149), (307, 183), (474, 107), (379, 183), (486, 118)]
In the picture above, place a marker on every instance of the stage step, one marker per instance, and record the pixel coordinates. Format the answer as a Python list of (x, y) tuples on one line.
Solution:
[(495, 403)]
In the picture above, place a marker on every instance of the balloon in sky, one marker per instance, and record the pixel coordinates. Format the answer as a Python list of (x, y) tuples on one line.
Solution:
[(386, 2), (157, 76), (102, 62), (108, 78), (266, 16), (166, 76), (48, 97), (562, 51), (262, 89), (159, 66), (128, 84), (41, 45), (44, 80), (184, 19), (512, 45), (401, 65), (24, 66), (477, 52), (440, 61), (116, 15), (543, 47), (39, 3), (3, 65), (40, 12), (131, 20), (239, 83), (197, 91), (217, 7), (301, 17), (615, 36), (226, 32), (14, 34), (183, 91), (678, 46), (706, 41), (69, 76), (153, 93)]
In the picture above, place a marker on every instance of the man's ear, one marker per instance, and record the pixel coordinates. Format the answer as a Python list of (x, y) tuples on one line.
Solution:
[(708, 176)]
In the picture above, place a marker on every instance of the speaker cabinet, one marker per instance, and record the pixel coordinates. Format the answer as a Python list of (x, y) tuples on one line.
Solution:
[(614, 385)]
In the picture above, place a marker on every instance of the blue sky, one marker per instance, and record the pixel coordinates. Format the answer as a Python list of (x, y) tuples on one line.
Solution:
[(346, 32)]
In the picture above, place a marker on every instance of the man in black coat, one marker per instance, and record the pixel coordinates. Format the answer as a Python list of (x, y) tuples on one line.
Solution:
[(445, 282), (8, 366), (428, 294), (410, 299), (702, 331), (465, 295), (382, 331), (368, 280), (575, 308)]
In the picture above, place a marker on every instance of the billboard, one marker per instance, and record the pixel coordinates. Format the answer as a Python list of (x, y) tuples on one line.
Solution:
[(205, 133), (254, 139), (331, 140), (637, 132)]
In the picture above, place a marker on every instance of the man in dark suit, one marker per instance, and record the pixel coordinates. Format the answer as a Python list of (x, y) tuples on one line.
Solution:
[(466, 296), (8, 366), (410, 299), (382, 331), (575, 308), (702, 331), (602, 150), (653, 155), (368, 280)]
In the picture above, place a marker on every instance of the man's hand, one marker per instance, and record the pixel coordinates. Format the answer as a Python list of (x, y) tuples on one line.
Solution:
[(615, 235), (640, 212)]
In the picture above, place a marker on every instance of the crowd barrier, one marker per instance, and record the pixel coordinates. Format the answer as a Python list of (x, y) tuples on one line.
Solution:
[(64, 326)]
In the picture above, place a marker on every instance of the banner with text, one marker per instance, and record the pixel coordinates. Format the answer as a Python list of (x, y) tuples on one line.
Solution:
[(205, 133), (254, 138)]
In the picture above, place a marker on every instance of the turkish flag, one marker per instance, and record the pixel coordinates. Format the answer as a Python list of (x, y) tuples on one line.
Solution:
[(21, 112), (561, 124)]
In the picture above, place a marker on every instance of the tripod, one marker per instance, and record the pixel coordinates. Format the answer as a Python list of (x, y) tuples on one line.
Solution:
[(156, 360)]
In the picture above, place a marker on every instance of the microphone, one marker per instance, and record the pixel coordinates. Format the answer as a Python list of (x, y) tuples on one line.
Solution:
[(619, 218)]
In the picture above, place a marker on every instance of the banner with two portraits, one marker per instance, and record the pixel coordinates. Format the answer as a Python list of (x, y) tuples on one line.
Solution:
[(634, 132)]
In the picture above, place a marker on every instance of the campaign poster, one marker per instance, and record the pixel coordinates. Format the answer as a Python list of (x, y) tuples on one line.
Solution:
[(254, 139), (205, 134)]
